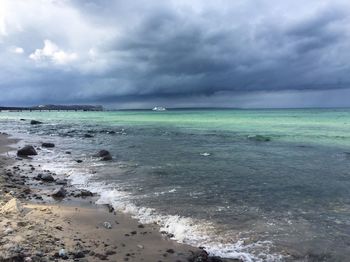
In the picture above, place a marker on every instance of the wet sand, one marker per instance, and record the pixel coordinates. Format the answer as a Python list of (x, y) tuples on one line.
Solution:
[(34, 226)]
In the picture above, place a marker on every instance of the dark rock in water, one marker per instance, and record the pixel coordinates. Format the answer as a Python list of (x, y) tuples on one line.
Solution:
[(202, 256), (59, 193), (259, 138), (106, 158), (61, 182), (79, 161), (47, 178), (102, 153), (88, 136), (105, 155), (199, 256), (83, 193), (35, 122), (22, 119), (68, 152), (27, 151), (48, 145)]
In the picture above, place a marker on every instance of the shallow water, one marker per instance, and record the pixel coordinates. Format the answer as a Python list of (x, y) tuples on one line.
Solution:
[(263, 185)]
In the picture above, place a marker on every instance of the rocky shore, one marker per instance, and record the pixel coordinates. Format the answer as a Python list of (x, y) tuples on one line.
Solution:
[(44, 218)]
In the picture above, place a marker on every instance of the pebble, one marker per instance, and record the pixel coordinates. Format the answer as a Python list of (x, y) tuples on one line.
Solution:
[(107, 225), (62, 253), (8, 230)]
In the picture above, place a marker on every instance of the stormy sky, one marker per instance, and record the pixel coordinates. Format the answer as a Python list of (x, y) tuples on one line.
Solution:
[(184, 53)]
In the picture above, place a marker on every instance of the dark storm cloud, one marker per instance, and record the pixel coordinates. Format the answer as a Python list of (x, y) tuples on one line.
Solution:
[(123, 52)]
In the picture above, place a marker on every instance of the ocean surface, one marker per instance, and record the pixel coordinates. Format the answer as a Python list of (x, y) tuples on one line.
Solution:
[(261, 185)]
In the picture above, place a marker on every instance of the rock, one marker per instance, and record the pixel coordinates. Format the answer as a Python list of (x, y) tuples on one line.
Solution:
[(8, 231), (68, 152), (83, 193), (79, 161), (88, 136), (22, 119), (259, 138), (107, 225), (47, 178), (62, 253), (61, 182), (78, 254), (170, 251), (12, 206), (105, 155), (110, 252), (27, 151), (106, 158), (199, 256), (101, 256), (48, 145), (110, 208), (202, 256), (35, 122), (59, 193)]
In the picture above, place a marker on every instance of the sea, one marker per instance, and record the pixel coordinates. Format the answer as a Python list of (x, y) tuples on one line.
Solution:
[(259, 185)]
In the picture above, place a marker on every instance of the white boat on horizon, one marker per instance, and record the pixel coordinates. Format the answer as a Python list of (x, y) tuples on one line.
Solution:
[(159, 108)]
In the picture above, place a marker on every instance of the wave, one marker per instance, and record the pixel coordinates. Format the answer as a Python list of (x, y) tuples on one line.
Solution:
[(185, 230)]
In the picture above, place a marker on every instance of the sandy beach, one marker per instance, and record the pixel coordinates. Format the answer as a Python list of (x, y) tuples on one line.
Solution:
[(35, 226)]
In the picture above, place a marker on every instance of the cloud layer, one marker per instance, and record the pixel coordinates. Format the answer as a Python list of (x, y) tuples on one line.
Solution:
[(178, 53)]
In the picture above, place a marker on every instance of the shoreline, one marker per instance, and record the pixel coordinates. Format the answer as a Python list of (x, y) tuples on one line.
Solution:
[(37, 227)]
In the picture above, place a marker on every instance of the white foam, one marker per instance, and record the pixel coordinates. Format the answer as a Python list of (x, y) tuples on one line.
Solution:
[(187, 230), (183, 229)]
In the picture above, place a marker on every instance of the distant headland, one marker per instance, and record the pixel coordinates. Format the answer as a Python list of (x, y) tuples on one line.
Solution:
[(55, 108)]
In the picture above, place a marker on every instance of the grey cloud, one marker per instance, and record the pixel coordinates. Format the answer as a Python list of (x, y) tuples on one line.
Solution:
[(173, 51)]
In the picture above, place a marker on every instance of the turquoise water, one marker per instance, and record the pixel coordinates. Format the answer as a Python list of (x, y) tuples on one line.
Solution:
[(322, 126), (262, 185)]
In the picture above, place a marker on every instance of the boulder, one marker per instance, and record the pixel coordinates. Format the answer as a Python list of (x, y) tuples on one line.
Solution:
[(88, 136), (27, 151), (59, 193), (259, 138), (83, 193), (106, 158), (61, 182), (47, 178), (203, 256), (48, 145), (102, 153), (105, 155), (35, 122), (12, 206)]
